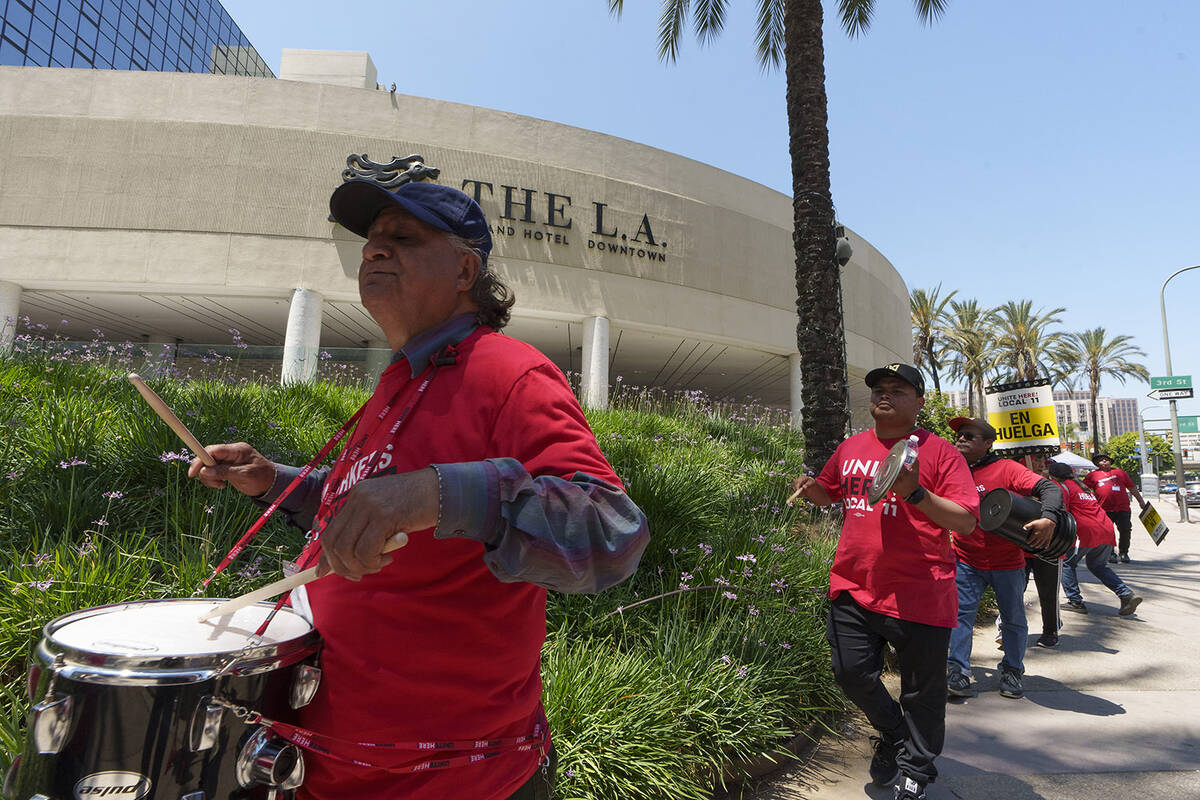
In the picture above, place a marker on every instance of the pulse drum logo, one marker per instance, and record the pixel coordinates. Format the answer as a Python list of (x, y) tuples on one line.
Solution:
[(116, 784)]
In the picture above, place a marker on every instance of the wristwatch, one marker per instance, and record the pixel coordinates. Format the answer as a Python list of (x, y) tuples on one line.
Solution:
[(917, 496)]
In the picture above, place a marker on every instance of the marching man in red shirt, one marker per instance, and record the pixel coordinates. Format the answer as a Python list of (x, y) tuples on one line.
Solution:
[(892, 580), (1112, 486), (1096, 540), (475, 446), (987, 559)]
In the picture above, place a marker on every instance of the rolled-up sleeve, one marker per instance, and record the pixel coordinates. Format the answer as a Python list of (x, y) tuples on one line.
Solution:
[(576, 536)]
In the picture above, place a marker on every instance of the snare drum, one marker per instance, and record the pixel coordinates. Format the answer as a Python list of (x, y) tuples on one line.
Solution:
[(141, 701)]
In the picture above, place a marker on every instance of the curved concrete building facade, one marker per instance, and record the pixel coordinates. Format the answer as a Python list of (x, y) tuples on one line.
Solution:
[(173, 206)]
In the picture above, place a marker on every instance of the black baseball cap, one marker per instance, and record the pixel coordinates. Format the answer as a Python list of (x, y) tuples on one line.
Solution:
[(905, 372), (356, 203), (983, 425), (1098, 456)]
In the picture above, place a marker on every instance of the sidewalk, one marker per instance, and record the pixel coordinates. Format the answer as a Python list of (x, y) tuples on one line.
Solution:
[(1112, 712)]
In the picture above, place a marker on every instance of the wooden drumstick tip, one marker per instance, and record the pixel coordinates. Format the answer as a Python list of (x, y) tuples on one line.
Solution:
[(287, 584), (792, 500)]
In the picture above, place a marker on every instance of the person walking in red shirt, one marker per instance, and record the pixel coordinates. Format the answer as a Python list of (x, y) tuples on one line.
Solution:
[(474, 445), (1096, 540), (987, 559), (892, 579), (1112, 486)]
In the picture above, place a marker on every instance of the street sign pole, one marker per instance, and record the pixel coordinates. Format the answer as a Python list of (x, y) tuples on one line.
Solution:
[(1146, 469), (1180, 482)]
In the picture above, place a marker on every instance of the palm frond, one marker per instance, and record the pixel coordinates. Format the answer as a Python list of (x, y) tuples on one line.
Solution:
[(769, 33), (670, 28), (856, 15), (709, 19)]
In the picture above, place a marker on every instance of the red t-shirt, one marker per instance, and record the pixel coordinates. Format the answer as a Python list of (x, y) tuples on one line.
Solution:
[(1111, 487), (983, 550), (1093, 526), (891, 558), (435, 647)]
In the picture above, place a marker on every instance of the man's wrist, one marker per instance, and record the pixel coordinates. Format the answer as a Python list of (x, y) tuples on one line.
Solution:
[(917, 496)]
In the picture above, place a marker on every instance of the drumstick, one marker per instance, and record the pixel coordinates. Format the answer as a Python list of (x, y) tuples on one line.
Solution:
[(168, 416), (285, 584), (795, 494)]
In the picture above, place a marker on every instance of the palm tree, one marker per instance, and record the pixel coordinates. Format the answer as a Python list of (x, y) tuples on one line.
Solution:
[(790, 31), (1099, 356), (1024, 342), (928, 317), (967, 348)]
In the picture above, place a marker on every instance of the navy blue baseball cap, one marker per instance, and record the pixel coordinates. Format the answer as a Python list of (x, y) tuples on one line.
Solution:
[(356, 203)]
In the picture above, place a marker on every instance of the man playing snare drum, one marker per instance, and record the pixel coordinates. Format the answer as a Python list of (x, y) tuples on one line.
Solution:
[(474, 444), (892, 579)]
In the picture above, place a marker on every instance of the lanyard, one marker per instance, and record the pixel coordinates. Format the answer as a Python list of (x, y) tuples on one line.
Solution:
[(325, 451)]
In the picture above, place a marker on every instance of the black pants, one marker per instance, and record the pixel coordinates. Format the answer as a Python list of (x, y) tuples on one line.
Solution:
[(857, 638), (1124, 528), (540, 785), (1046, 578)]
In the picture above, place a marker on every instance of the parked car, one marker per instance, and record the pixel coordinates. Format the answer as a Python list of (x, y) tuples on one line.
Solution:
[(1192, 496)]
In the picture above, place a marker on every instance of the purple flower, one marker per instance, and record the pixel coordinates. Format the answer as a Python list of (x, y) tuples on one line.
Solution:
[(209, 509), (113, 495), (785, 645), (754, 611), (41, 585), (74, 462), (570, 772), (101, 522), (747, 557), (13, 475), (729, 595), (762, 642), (38, 560), (726, 660), (705, 548), (741, 673)]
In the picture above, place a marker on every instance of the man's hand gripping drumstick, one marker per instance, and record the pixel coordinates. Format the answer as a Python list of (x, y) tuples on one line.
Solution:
[(806, 486)]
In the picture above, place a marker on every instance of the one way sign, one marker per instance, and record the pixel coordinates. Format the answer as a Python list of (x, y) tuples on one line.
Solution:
[(1171, 394)]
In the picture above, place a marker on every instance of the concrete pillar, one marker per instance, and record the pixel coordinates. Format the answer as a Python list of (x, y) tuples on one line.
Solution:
[(10, 309), (593, 385), (302, 342), (796, 396), (379, 355)]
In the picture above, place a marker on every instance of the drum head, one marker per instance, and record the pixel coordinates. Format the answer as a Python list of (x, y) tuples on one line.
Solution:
[(887, 473), (164, 628)]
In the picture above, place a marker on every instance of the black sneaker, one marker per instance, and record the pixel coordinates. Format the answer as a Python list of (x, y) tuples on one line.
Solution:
[(1113, 558), (883, 762), (1124, 558), (1010, 685), (1129, 604), (958, 685), (1048, 640), (1075, 605), (909, 789)]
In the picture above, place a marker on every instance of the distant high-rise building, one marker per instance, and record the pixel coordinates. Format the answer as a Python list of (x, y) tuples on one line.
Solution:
[(149, 35)]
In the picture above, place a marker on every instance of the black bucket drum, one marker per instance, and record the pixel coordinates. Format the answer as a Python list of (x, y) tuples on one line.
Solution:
[(1005, 514), (142, 701)]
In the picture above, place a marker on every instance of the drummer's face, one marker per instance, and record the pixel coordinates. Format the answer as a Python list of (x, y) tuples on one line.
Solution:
[(970, 441), (895, 402)]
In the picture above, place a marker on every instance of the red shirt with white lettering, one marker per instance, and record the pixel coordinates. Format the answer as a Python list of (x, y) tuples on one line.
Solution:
[(435, 647), (1093, 526), (1111, 488), (983, 550), (891, 558)]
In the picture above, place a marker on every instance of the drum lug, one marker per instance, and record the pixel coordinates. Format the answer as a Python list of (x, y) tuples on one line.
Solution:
[(193, 796), (269, 760), (50, 721), (304, 685), (206, 726)]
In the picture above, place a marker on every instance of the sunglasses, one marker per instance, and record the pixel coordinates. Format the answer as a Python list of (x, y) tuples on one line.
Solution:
[(966, 436)]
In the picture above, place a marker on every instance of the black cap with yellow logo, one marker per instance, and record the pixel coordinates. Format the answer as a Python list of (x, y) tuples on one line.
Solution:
[(905, 372)]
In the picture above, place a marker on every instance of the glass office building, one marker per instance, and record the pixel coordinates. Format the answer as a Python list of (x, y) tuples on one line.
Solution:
[(153, 35)]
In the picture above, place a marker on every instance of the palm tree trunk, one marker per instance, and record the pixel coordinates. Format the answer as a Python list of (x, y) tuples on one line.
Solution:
[(1094, 383), (820, 337), (937, 385)]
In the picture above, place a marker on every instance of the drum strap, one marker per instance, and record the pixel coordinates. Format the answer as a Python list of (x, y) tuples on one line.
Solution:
[(454, 753)]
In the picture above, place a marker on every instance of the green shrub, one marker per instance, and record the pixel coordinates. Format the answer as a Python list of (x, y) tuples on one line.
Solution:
[(712, 652)]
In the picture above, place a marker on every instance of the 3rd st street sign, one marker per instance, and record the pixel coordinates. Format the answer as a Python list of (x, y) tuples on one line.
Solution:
[(1171, 387)]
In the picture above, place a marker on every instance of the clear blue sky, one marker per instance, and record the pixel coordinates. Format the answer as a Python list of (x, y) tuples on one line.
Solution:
[(1023, 149)]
